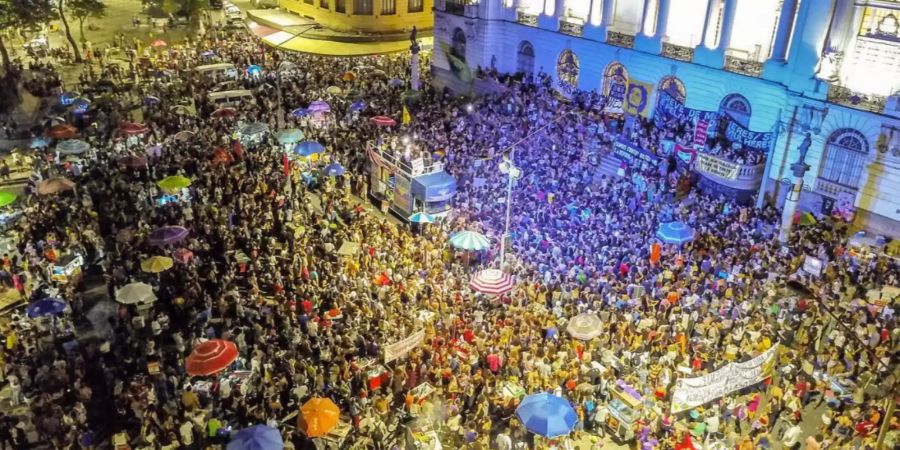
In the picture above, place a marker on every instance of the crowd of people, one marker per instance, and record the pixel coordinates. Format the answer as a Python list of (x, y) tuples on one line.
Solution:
[(260, 268)]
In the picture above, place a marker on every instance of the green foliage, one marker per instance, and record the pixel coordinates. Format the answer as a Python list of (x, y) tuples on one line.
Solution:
[(25, 13), (185, 8), (83, 9)]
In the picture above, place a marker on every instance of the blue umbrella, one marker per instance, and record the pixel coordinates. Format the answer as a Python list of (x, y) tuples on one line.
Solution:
[(39, 142), (257, 437), (289, 136), (358, 105), (395, 82), (300, 112), (81, 104), (421, 217), (334, 170), (675, 233), (470, 240), (547, 415), (254, 70), (308, 148), (73, 147), (46, 307)]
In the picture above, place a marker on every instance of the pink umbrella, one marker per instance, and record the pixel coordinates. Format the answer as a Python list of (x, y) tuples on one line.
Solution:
[(383, 121), (492, 282), (133, 129), (183, 255), (159, 43)]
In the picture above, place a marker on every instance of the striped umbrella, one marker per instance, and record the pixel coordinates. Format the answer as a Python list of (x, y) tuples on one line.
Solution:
[(675, 233), (319, 106), (470, 240), (133, 129), (224, 112), (492, 282), (211, 357), (383, 121), (421, 217)]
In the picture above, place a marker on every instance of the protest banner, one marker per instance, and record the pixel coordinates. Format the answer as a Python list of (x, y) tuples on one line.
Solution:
[(813, 266), (717, 167), (700, 132), (637, 99), (690, 393), (402, 347), (685, 154), (631, 154), (735, 132)]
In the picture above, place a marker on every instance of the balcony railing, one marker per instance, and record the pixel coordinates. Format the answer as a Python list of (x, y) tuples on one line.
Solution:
[(620, 39), (526, 19), (729, 173), (677, 52), (743, 66), (866, 102), (468, 8), (832, 189), (571, 28)]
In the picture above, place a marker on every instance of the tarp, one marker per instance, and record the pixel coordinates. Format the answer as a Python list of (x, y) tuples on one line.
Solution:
[(434, 187)]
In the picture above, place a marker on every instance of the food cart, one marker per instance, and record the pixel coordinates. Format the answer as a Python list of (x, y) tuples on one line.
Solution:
[(67, 268), (421, 436), (624, 409)]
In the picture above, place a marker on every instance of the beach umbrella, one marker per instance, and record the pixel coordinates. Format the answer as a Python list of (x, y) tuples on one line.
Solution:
[(133, 129), (167, 235), (45, 307), (151, 100), (308, 148), (211, 357), (254, 70), (492, 282), (470, 240), (173, 183), (319, 106), (224, 112), (157, 264), (349, 76), (383, 121), (62, 131), (318, 416), (7, 198), (584, 327), (358, 105), (133, 162), (72, 147), (159, 43), (421, 217), (183, 135), (257, 437), (547, 415), (334, 170), (334, 90), (135, 293), (675, 233), (300, 112), (38, 142), (54, 186), (253, 128), (290, 136)]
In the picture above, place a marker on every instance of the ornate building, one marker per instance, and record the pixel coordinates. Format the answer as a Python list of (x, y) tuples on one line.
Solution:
[(365, 16), (775, 69)]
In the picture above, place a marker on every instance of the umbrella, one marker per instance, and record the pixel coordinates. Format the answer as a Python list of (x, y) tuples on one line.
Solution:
[(81, 104), (492, 282), (182, 110), (421, 217), (7, 198), (250, 129), (183, 255), (224, 112), (547, 415), (318, 416), (151, 100), (222, 157), (66, 98), (55, 185), (470, 240), (133, 129), (158, 43), (333, 90), (39, 142), (675, 233), (133, 162), (300, 112), (46, 307), (167, 235), (584, 327), (334, 170), (253, 69), (134, 293), (62, 131), (319, 106), (349, 76), (308, 148), (358, 105), (257, 437), (73, 147), (395, 82), (183, 135), (208, 53), (157, 264), (383, 121), (290, 136), (805, 218), (211, 357), (173, 183)]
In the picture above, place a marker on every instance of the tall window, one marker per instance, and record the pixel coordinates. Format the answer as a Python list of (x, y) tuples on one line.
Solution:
[(416, 6), (362, 7), (340, 6), (845, 158), (323, 4), (388, 7)]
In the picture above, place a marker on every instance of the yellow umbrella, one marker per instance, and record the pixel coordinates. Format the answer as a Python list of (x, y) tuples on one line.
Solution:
[(174, 183), (157, 264)]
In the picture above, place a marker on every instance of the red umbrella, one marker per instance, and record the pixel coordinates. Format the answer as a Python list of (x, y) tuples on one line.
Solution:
[(159, 43), (133, 129), (224, 112), (492, 282), (222, 156), (183, 255), (383, 121), (211, 357), (62, 131)]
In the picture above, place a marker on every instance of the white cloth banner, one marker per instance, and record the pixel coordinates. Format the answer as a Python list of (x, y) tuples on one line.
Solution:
[(402, 347), (692, 392)]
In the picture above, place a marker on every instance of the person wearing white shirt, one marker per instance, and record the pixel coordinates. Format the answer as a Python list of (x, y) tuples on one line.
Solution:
[(186, 431), (504, 442)]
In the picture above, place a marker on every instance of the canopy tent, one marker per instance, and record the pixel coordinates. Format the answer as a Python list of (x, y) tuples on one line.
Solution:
[(470, 240), (434, 187)]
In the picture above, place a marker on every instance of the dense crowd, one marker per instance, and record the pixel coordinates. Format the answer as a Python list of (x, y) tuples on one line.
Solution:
[(264, 273)]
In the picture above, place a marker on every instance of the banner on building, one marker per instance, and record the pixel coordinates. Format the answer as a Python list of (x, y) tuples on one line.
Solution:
[(402, 347), (736, 132), (637, 98), (631, 154), (700, 132), (668, 107), (718, 167), (690, 393)]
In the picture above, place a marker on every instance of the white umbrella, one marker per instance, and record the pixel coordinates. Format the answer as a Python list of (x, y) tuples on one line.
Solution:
[(492, 282), (134, 293), (585, 327)]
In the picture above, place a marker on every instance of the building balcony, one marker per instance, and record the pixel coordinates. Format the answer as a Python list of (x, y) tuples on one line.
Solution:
[(678, 52), (571, 26), (525, 18), (832, 189), (620, 39), (743, 177), (743, 66), (467, 8), (866, 102)]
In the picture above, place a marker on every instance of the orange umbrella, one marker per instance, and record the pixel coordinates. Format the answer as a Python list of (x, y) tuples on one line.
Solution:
[(62, 131), (55, 185), (318, 416), (159, 43)]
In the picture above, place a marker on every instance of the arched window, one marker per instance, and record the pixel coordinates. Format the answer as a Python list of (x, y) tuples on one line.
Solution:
[(845, 157), (525, 59), (737, 107), (458, 47), (673, 86), (615, 83), (567, 70)]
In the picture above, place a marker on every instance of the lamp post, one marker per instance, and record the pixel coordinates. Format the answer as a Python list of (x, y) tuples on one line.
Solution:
[(513, 173), (282, 66), (777, 128)]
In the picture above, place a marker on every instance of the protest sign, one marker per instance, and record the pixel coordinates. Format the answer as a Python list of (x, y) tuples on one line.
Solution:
[(402, 347), (717, 167), (690, 393), (700, 132), (631, 154)]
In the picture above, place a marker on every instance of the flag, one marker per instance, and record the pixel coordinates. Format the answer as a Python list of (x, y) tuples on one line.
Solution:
[(406, 117)]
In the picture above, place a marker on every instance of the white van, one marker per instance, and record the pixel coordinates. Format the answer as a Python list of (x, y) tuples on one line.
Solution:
[(219, 70), (231, 98)]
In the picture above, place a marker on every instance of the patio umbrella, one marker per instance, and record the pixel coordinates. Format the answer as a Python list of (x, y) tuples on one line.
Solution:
[(54, 186), (334, 90), (358, 105), (173, 183), (183, 135), (45, 307), (211, 357), (318, 416), (308, 148), (257, 437), (492, 282), (135, 293), (300, 112), (38, 142), (470, 240), (250, 129), (224, 112), (151, 100), (290, 136), (133, 129), (167, 235), (62, 131), (134, 162), (319, 106), (157, 264), (334, 170), (584, 327), (7, 198), (73, 147), (547, 415), (383, 121), (159, 43), (675, 233), (421, 217)]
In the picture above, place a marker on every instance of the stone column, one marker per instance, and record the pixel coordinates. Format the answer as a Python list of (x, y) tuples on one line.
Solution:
[(644, 15), (727, 24), (608, 12), (662, 19), (784, 30), (710, 8), (798, 169)]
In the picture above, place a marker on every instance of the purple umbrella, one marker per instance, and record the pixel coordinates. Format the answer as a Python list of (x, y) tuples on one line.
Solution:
[(167, 235), (319, 106)]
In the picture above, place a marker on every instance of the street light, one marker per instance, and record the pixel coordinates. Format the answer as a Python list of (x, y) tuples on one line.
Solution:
[(284, 65), (508, 167)]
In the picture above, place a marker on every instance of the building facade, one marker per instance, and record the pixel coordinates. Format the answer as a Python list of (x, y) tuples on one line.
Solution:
[(782, 69), (365, 16)]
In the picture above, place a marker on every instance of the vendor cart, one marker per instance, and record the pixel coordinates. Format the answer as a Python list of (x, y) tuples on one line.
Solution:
[(421, 436), (67, 268), (624, 410)]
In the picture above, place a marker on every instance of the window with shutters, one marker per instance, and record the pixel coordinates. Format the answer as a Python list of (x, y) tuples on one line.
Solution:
[(362, 7)]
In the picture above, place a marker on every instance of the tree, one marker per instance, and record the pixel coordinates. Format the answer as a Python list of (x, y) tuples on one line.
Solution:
[(21, 14), (61, 9), (84, 9)]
